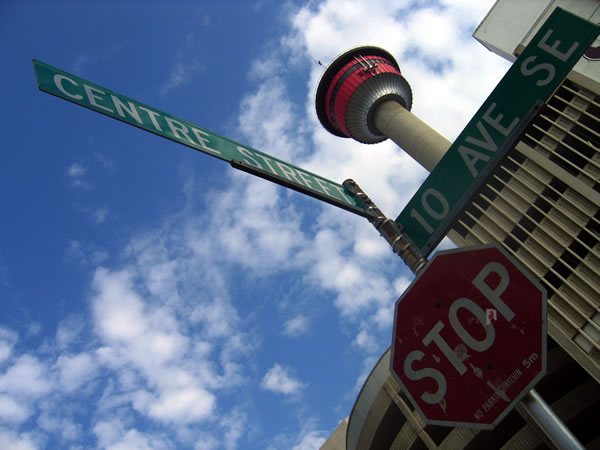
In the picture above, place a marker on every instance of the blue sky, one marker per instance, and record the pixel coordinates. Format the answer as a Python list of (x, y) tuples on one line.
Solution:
[(152, 296)]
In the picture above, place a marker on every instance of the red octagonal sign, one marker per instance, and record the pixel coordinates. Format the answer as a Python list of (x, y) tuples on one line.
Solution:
[(470, 337)]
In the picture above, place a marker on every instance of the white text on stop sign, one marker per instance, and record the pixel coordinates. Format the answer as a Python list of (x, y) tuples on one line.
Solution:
[(493, 296)]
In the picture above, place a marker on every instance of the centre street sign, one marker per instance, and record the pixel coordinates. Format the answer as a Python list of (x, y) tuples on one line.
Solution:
[(538, 71), (469, 337), (82, 92)]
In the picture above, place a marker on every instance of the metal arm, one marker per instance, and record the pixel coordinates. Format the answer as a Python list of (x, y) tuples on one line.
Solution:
[(388, 229)]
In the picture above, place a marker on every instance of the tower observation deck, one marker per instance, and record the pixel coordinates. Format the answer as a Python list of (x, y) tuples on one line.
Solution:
[(363, 95)]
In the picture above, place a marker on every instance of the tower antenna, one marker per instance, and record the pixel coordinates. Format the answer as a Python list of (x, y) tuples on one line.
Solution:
[(319, 62)]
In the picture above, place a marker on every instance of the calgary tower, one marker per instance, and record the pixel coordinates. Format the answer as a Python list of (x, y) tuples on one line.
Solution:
[(363, 95)]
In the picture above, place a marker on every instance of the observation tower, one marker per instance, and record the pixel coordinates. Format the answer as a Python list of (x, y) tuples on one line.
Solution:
[(363, 95)]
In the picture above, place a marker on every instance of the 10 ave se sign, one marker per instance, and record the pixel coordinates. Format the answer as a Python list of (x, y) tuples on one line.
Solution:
[(469, 337), (538, 71)]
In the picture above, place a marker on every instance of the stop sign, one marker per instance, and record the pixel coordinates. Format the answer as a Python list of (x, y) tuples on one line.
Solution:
[(469, 337)]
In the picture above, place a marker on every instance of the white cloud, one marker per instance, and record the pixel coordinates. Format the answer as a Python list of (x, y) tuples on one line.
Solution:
[(117, 307), (76, 170), (366, 341), (251, 225), (150, 254), (135, 439), (184, 405), (5, 350), (108, 431), (205, 441), (185, 66), (400, 285), (214, 316), (277, 379), (308, 436), (233, 425), (168, 332), (8, 339), (180, 73), (15, 441), (147, 339), (358, 286), (106, 163), (74, 371), (311, 441), (68, 330), (85, 254), (74, 251), (111, 434), (99, 214), (264, 68), (12, 410), (52, 422), (27, 377), (295, 326), (33, 329), (23, 382), (268, 118)]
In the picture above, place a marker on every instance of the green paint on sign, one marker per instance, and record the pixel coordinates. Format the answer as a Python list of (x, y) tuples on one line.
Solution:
[(533, 77), (82, 92)]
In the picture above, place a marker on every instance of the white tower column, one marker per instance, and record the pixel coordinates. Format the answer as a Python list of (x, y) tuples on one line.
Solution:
[(414, 136)]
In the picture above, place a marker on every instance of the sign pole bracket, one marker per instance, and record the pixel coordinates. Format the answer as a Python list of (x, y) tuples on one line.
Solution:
[(388, 229)]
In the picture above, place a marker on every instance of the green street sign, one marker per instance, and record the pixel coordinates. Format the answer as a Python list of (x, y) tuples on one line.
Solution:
[(531, 80), (82, 92)]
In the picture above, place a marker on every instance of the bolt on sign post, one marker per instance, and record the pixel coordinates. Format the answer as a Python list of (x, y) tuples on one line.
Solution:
[(532, 78), (469, 337), (92, 96)]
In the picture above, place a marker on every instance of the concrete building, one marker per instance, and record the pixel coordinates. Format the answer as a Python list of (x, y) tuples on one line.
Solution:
[(542, 203), (337, 440)]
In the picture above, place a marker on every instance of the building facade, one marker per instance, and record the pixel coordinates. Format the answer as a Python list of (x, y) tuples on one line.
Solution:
[(542, 203)]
